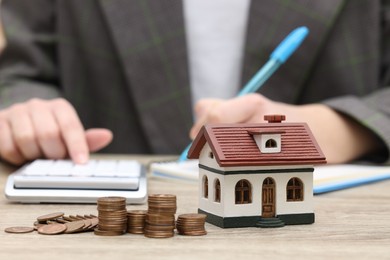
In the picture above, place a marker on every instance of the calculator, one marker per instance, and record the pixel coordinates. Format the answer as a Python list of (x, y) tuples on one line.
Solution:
[(62, 181)]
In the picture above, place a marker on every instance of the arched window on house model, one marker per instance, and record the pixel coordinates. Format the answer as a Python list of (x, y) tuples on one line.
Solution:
[(243, 192), (295, 189), (217, 191), (205, 187)]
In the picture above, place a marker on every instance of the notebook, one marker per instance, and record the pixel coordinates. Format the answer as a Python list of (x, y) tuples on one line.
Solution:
[(327, 178), (63, 181)]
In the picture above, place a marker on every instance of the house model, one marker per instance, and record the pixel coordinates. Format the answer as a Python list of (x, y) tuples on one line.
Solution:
[(256, 174)]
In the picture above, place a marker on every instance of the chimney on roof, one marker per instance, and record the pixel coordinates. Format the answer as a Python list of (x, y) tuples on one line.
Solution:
[(274, 118)]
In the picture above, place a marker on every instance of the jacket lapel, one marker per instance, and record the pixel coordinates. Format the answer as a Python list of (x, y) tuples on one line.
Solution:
[(269, 22), (150, 41)]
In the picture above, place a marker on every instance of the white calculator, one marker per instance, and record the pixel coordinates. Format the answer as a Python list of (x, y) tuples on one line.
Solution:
[(62, 181)]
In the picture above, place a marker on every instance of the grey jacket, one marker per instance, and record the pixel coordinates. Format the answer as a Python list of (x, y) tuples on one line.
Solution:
[(123, 63)]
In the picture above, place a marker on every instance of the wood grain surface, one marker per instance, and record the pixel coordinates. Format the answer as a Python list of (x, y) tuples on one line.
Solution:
[(350, 224)]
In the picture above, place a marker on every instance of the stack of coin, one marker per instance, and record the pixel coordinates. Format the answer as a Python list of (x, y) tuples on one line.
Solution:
[(136, 221), (112, 216), (160, 219), (191, 224), (113, 219), (159, 226), (162, 204)]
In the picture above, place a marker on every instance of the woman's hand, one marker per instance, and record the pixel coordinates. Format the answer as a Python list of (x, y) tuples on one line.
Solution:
[(47, 128), (341, 138)]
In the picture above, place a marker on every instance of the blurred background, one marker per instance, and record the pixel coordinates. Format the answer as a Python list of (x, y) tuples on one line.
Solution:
[(2, 41)]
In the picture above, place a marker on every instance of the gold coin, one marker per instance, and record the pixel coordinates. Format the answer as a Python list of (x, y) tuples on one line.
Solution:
[(19, 230)]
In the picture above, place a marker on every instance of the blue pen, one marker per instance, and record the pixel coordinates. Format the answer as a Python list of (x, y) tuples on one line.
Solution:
[(277, 58)]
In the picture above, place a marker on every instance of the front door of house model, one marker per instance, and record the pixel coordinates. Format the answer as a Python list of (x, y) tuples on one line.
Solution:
[(268, 201)]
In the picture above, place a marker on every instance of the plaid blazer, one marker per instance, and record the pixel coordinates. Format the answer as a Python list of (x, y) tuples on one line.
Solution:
[(123, 63)]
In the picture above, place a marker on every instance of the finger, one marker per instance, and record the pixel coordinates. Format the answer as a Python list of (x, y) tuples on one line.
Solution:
[(98, 138), (204, 105), (242, 109), (71, 130), (237, 110), (202, 110), (8, 149), (47, 130), (23, 132)]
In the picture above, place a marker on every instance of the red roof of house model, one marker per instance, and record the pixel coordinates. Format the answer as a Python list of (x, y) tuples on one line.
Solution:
[(234, 144)]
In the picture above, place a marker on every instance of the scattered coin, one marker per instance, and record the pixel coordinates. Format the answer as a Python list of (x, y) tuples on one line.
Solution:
[(66, 218), (74, 226), (52, 229), (94, 223), (90, 216), (50, 216), (37, 225), (62, 221), (19, 230), (87, 224), (113, 219)]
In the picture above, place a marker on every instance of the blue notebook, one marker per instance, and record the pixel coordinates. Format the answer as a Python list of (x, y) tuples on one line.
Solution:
[(327, 178)]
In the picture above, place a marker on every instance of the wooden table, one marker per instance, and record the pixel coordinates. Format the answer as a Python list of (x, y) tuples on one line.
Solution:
[(353, 223)]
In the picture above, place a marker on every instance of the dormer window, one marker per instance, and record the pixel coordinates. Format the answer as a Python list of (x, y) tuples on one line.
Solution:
[(269, 141)]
